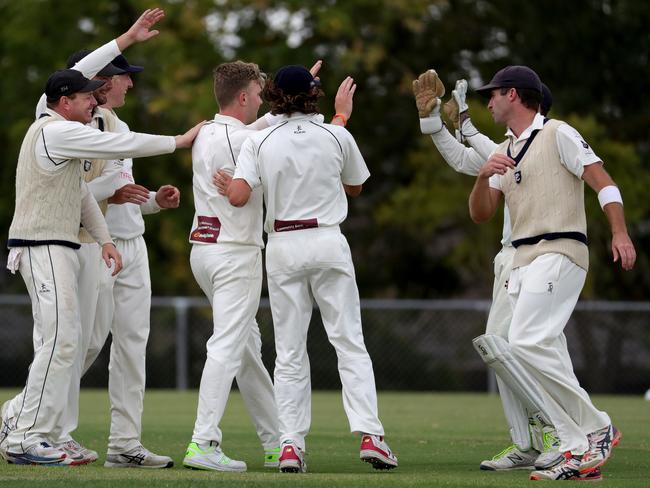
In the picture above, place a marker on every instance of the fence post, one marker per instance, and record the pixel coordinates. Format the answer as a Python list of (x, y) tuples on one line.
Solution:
[(181, 305)]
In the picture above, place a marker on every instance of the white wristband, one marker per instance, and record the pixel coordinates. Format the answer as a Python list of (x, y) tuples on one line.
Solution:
[(609, 194), (431, 125)]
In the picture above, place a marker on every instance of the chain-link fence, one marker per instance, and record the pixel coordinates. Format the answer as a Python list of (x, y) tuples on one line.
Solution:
[(414, 344)]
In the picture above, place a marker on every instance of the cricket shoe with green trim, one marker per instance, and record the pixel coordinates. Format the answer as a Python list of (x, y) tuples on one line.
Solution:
[(138, 457), (551, 454), (210, 458), (511, 458), (272, 458)]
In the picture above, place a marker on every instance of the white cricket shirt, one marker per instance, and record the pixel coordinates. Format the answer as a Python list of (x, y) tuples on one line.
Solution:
[(216, 221), (302, 165), (125, 221)]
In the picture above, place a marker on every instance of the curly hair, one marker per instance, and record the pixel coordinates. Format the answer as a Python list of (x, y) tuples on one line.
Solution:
[(280, 103), (232, 78)]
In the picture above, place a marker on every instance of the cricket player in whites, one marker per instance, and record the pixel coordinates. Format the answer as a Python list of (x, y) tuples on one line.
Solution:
[(305, 168), (226, 262), (540, 169), (535, 443)]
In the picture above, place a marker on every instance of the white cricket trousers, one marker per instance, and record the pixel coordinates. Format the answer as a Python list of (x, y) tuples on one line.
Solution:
[(317, 263), (498, 323), (90, 261), (544, 294), (50, 273), (123, 309), (230, 275)]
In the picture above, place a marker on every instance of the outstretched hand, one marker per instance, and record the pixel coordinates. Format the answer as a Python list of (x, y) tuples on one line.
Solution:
[(187, 139), (428, 89), (456, 108), (141, 30), (344, 97), (316, 68)]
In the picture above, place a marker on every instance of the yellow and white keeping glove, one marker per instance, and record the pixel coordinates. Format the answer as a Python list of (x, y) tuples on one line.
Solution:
[(456, 108), (428, 89)]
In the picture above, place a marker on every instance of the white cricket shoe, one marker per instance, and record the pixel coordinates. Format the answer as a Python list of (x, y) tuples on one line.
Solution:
[(511, 458), (73, 449), (601, 444), (551, 454), (211, 458), (375, 451), (138, 457), (41, 453), (567, 469), (292, 458)]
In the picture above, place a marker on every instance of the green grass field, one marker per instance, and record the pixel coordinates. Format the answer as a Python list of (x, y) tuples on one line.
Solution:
[(439, 439)]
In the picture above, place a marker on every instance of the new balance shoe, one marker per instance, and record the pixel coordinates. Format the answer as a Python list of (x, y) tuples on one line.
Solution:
[(41, 453), (551, 454), (210, 458), (567, 469), (272, 458), (73, 449), (138, 457), (601, 443), (292, 459), (375, 451), (511, 458)]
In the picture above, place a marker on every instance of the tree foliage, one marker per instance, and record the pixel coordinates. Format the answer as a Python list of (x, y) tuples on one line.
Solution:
[(410, 230)]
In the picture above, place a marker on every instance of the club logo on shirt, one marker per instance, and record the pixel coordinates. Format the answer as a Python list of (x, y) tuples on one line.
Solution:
[(44, 288), (584, 144), (518, 177), (207, 230), (299, 130), (87, 165), (550, 287)]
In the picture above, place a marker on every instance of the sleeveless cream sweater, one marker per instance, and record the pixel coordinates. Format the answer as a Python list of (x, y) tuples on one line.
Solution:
[(544, 198), (48, 207)]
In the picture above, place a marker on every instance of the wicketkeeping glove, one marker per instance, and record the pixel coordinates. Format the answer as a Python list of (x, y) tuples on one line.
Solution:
[(457, 104), (427, 90)]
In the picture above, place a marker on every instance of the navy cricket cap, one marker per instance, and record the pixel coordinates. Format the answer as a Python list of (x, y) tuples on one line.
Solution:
[(513, 77), (121, 63), (547, 100), (109, 70), (294, 79), (66, 82)]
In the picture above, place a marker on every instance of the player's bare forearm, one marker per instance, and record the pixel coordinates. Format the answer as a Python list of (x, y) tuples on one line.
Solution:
[(239, 192), (482, 200)]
